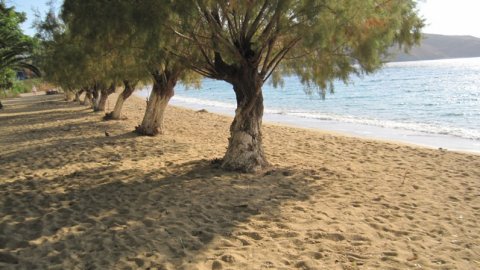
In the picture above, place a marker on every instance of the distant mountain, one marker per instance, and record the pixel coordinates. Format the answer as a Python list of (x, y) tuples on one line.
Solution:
[(440, 47)]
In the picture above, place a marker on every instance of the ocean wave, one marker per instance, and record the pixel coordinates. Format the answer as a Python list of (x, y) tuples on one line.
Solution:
[(215, 103), (418, 127), (205, 102)]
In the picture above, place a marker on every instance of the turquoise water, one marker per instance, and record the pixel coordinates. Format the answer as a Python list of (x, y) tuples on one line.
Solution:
[(440, 97)]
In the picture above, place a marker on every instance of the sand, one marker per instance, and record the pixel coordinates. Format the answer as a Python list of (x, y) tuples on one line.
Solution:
[(73, 198)]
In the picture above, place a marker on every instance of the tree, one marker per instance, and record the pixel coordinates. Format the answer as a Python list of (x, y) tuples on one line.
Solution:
[(125, 69), (62, 59), (127, 33), (15, 47), (246, 43), (73, 63)]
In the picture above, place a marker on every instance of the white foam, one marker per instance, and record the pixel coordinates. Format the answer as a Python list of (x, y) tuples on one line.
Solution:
[(420, 127), (198, 101), (214, 103)]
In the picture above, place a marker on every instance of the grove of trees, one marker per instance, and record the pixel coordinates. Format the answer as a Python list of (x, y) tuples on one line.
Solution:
[(96, 45)]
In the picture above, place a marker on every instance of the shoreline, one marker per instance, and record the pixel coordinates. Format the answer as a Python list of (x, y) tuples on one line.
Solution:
[(385, 134)]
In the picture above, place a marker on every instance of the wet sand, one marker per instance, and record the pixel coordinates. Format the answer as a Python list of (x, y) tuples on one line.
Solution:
[(73, 198)]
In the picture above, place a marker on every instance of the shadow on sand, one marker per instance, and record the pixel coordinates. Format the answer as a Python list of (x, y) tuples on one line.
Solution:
[(109, 217), (102, 215)]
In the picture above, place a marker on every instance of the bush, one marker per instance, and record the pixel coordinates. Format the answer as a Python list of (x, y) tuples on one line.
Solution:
[(25, 86)]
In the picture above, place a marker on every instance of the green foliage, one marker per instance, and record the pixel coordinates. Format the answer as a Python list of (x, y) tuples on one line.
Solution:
[(15, 47), (7, 76), (62, 56), (116, 47), (132, 42), (319, 41), (24, 86)]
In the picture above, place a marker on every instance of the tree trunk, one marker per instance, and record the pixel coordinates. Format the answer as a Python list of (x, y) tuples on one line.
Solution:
[(69, 95), (102, 100), (95, 92), (245, 150), (162, 92), (77, 95), (117, 111), (88, 99)]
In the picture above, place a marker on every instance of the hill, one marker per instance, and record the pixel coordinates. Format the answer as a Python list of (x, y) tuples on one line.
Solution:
[(435, 46)]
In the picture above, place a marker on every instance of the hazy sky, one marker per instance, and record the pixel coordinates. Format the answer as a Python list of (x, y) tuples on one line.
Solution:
[(448, 17)]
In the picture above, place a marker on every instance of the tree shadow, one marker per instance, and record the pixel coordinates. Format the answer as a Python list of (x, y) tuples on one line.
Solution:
[(61, 151), (38, 116), (32, 104), (29, 100), (76, 132), (33, 116), (109, 218), (87, 200)]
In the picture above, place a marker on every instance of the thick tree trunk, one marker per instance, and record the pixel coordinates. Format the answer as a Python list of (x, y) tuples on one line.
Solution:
[(117, 111), (152, 123), (102, 100), (162, 92), (245, 150)]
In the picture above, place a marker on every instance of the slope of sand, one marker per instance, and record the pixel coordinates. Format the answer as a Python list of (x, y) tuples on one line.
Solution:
[(73, 198)]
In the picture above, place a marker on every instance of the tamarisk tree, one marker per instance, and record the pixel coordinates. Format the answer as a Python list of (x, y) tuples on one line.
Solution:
[(246, 43), (128, 31), (111, 47), (64, 60)]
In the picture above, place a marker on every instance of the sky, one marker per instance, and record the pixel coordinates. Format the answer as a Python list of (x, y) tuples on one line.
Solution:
[(451, 17), (447, 17)]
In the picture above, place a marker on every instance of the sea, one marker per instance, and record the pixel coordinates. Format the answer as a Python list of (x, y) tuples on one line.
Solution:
[(430, 103)]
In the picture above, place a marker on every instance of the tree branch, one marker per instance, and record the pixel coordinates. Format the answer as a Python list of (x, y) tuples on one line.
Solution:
[(278, 58), (254, 27)]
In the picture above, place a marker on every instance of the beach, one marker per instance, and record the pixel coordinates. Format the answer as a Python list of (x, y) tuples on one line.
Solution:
[(432, 103), (72, 197)]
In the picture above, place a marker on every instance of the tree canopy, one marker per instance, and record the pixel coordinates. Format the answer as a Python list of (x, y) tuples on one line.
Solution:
[(15, 47), (136, 43), (74, 60), (319, 41)]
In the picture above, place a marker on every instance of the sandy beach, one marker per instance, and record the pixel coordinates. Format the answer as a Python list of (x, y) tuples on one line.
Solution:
[(73, 198)]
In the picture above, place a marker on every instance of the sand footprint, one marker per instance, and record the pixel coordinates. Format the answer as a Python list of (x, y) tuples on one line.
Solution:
[(252, 235), (203, 236), (337, 237)]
